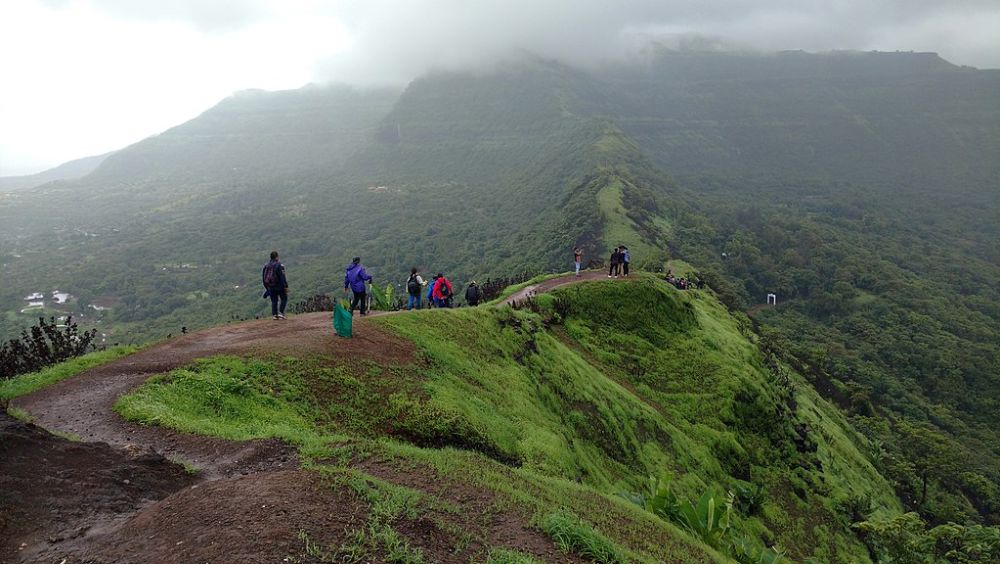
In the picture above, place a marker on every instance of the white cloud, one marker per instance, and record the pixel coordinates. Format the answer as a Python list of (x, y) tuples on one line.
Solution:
[(80, 77), (84, 82)]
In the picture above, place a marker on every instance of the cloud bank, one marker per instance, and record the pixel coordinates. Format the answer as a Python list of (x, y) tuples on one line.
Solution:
[(95, 75)]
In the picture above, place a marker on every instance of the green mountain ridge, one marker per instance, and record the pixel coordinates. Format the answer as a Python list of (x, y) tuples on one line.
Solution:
[(564, 409), (859, 187)]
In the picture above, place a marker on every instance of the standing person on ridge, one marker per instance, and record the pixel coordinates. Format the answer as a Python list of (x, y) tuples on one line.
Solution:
[(577, 258), (473, 294), (415, 288), (626, 258), (616, 258), (275, 285), (442, 291), (430, 292), (355, 277)]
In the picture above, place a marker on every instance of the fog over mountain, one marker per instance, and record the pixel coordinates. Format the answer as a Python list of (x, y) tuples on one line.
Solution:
[(138, 67)]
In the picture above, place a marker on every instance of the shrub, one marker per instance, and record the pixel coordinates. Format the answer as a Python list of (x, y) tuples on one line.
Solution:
[(43, 345), (312, 304)]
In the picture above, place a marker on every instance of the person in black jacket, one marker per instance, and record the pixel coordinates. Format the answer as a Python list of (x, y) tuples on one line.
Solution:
[(473, 294), (616, 260), (275, 285)]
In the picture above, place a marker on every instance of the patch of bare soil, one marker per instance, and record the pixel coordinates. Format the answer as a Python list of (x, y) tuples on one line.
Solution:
[(248, 519), (551, 284), (483, 522), (54, 491), (83, 404)]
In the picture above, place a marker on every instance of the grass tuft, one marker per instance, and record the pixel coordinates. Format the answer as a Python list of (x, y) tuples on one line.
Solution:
[(572, 534), (27, 383)]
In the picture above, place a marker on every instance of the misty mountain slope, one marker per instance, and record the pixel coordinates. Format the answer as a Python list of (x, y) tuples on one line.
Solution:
[(257, 134), (861, 116), (253, 146), (76, 168), (486, 198)]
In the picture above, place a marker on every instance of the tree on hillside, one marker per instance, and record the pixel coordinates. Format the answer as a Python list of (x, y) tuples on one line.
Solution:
[(930, 452)]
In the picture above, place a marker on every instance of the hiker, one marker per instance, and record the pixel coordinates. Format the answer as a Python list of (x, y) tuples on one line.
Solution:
[(626, 258), (355, 277), (442, 291), (275, 285), (430, 291), (616, 258), (415, 288), (473, 294), (577, 258)]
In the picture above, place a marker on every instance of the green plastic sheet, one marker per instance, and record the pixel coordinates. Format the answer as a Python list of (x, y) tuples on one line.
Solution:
[(342, 321)]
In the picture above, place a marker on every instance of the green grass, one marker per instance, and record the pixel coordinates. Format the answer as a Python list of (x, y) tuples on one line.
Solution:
[(574, 535), (27, 383), (20, 414), (231, 398), (606, 385), (619, 229)]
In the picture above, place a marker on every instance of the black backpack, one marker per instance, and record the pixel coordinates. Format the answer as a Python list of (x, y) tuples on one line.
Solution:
[(445, 292), (271, 275), (412, 286)]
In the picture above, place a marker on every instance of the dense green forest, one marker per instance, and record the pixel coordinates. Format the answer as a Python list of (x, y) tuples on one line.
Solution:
[(861, 188)]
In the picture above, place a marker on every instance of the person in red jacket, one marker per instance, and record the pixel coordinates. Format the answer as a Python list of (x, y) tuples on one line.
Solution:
[(442, 291)]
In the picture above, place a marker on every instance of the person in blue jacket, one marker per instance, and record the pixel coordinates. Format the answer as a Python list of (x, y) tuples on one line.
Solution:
[(430, 292), (275, 285), (355, 278), (626, 259)]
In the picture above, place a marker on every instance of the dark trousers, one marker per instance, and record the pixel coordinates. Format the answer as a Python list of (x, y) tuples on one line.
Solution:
[(359, 299), (625, 268), (275, 294), (615, 269)]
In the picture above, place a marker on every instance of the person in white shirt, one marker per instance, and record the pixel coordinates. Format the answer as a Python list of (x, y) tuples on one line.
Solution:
[(415, 288)]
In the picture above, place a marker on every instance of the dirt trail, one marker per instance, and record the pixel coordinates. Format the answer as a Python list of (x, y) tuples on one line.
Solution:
[(553, 283), (114, 498), (82, 405)]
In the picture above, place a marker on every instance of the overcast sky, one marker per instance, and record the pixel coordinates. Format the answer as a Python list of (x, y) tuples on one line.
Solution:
[(82, 77)]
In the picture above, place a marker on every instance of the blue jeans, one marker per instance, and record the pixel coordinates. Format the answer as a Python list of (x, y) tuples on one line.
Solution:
[(413, 300), (275, 294), (577, 263)]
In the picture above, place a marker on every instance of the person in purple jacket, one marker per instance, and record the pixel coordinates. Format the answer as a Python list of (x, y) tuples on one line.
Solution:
[(355, 278)]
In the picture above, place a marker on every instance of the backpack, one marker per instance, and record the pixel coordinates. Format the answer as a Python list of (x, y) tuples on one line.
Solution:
[(445, 292), (412, 286), (271, 275)]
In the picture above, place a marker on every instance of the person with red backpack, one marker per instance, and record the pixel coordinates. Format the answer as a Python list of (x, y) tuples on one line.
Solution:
[(442, 291), (275, 285)]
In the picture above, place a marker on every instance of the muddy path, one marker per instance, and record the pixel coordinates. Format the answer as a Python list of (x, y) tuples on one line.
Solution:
[(83, 405), (115, 495), (553, 283)]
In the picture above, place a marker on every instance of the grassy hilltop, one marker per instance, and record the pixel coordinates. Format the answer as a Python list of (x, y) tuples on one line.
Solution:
[(556, 409)]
